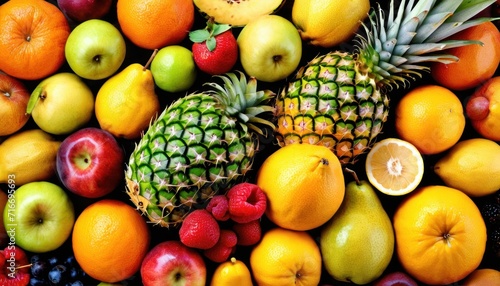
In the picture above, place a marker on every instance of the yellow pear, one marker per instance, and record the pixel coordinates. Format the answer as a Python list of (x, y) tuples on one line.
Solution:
[(233, 272), (127, 103), (471, 166), (28, 156)]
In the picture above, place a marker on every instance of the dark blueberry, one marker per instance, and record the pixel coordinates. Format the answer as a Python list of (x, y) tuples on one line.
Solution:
[(39, 269), (70, 261), (53, 261), (35, 258), (58, 274), (74, 273), (38, 281), (75, 283)]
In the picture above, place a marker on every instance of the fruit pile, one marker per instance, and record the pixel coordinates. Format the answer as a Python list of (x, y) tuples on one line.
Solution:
[(263, 142)]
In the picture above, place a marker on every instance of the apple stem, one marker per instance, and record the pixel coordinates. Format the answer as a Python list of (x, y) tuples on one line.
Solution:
[(150, 60)]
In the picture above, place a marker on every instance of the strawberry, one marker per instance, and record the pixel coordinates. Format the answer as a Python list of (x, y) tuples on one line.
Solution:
[(16, 279), (199, 230), (215, 50), (226, 245)]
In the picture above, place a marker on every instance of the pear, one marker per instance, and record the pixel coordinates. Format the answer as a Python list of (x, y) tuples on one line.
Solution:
[(127, 103), (357, 243)]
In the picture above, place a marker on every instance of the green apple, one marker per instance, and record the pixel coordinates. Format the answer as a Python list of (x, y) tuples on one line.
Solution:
[(61, 104), (39, 216), (95, 49), (270, 48), (174, 69)]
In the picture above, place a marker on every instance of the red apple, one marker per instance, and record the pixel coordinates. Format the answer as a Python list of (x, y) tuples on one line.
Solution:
[(396, 278), (82, 10), (171, 263), (90, 162), (14, 97)]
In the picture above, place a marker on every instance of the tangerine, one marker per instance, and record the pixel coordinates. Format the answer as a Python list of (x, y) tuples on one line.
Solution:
[(110, 240), (154, 24), (33, 37), (304, 185), (430, 117), (476, 64), (440, 235)]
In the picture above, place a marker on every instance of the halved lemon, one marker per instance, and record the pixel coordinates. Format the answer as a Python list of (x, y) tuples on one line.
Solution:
[(394, 167)]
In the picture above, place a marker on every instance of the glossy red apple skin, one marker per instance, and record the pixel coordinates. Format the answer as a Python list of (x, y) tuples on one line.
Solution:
[(83, 10), (90, 162), (170, 263), (396, 278), (14, 97)]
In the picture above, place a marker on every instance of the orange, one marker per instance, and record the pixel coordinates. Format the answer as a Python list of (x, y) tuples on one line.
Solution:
[(476, 63), (110, 240), (394, 166), (483, 109), (154, 24), (483, 277), (430, 117), (440, 235), (304, 185), (33, 37), (286, 257)]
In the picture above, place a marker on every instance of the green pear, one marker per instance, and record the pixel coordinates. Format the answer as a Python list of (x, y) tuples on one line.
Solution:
[(357, 243)]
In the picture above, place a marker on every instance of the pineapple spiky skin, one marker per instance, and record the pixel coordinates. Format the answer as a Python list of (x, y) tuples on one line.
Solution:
[(192, 151), (330, 102), (338, 100)]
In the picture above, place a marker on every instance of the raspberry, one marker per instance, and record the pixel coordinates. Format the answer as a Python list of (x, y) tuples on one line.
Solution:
[(226, 245), (199, 230), (219, 207), (247, 202), (248, 233)]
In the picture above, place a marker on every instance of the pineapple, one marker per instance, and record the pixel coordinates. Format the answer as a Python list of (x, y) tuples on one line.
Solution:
[(340, 99), (199, 145)]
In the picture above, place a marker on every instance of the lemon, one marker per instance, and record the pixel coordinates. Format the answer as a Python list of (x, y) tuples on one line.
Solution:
[(327, 23), (230, 273), (471, 166), (394, 166), (28, 156)]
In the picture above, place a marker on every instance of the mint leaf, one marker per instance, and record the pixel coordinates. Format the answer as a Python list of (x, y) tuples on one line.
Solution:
[(199, 36)]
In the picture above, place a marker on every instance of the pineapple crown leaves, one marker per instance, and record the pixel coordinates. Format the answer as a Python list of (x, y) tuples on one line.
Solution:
[(208, 34), (241, 99), (395, 47)]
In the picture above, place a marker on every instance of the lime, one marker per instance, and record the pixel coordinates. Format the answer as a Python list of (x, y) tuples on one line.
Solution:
[(173, 69)]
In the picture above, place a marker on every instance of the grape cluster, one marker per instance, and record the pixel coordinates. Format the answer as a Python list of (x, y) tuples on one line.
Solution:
[(52, 270)]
